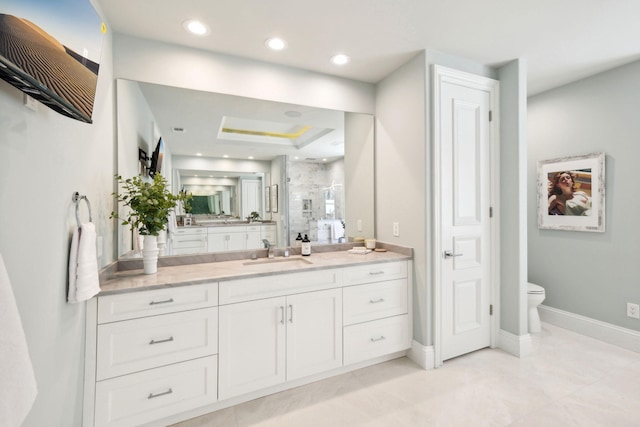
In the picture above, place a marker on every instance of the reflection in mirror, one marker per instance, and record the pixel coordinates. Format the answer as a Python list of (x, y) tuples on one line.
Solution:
[(237, 156)]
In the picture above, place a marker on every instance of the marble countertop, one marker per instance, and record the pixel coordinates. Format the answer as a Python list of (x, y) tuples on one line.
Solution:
[(221, 223), (136, 280)]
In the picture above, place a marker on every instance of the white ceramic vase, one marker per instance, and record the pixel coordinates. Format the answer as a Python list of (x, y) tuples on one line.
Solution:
[(150, 254)]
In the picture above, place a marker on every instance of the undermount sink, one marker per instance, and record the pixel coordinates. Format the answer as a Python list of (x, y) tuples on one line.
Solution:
[(277, 260)]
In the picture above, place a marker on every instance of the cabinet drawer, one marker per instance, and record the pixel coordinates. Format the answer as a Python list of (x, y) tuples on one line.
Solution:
[(138, 344), (255, 228), (131, 305), (191, 231), (233, 291), (227, 230), (375, 272), (190, 241), (143, 397), (376, 338), (375, 301)]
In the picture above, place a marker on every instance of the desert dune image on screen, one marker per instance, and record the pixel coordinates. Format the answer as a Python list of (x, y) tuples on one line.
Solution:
[(569, 192), (57, 44)]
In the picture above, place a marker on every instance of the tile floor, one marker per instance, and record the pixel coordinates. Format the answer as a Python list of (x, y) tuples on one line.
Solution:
[(569, 380)]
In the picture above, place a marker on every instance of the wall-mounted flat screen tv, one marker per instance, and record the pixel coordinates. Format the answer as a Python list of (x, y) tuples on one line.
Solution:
[(51, 50)]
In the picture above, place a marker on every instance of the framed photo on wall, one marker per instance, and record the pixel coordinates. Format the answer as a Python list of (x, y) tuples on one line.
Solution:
[(274, 198), (267, 198), (571, 193)]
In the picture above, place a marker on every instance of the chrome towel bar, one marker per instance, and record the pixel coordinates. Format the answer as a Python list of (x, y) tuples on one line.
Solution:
[(76, 199)]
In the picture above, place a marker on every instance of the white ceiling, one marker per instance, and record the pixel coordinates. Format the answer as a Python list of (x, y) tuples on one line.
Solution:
[(562, 40), (201, 115)]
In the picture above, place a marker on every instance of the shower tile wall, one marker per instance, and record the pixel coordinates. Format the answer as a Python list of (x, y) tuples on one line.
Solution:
[(309, 182)]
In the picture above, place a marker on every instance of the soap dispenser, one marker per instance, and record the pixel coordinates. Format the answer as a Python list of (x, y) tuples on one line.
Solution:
[(306, 246), (299, 240)]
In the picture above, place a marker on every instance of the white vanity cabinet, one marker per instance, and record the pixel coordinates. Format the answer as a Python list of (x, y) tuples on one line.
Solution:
[(161, 355), (265, 342), (189, 241), (254, 240), (234, 238), (376, 311), (155, 353), (269, 232), (222, 239)]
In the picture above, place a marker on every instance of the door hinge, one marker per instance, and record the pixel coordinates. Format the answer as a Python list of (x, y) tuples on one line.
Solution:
[(491, 212), (490, 115), (490, 309)]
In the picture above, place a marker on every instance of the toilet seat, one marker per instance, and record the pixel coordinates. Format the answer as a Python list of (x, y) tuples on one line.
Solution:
[(534, 289)]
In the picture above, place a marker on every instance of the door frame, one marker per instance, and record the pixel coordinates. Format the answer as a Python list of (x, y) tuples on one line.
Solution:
[(442, 75)]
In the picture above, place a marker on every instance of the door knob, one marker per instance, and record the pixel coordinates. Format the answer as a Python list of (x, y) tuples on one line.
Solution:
[(450, 254)]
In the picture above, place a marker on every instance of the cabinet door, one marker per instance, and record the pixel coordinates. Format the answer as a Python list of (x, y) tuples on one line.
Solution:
[(217, 243), (314, 332), (253, 240), (236, 241), (251, 346)]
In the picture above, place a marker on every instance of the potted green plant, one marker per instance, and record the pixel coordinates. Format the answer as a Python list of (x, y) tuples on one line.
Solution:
[(254, 216), (185, 199), (149, 206)]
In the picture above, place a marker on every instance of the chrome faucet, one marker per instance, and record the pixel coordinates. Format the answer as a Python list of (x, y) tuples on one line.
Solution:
[(269, 247)]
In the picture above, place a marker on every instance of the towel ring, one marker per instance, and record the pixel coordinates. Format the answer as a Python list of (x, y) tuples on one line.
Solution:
[(76, 199)]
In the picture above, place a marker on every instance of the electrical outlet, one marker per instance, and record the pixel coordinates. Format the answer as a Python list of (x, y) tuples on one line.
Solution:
[(633, 310), (396, 229), (359, 225)]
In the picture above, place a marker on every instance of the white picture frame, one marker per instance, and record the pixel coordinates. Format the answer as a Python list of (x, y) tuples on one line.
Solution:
[(571, 193)]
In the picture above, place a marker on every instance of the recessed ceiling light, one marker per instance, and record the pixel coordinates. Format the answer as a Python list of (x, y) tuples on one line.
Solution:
[(324, 160), (250, 157), (340, 59), (275, 43), (226, 156), (292, 113), (198, 154), (195, 27)]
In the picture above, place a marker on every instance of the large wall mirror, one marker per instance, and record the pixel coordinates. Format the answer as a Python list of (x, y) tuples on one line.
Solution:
[(302, 169)]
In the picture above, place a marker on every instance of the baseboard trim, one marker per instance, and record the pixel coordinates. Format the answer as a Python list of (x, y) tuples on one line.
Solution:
[(422, 355), (517, 345), (612, 334)]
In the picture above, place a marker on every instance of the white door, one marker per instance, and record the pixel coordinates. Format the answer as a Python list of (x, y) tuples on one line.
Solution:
[(251, 197), (465, 201), (252, 346), (314, 332)]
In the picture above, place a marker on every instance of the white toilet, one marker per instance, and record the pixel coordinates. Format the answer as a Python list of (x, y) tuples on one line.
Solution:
[(535, 296)]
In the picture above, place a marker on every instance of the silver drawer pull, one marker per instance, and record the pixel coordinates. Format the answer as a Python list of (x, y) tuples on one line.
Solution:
[(164, 393), (161, 302), (290, 313), (376, 273), (282, 314), (380, 338), (152, 342), (376, 301)]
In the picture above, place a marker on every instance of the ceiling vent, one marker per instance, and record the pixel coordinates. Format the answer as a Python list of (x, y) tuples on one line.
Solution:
[(178, 130)]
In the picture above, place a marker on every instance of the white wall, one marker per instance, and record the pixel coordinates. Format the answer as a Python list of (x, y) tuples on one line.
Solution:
[(590, 274), (44, 158), (400, 169), (512, 212), (161, 63)]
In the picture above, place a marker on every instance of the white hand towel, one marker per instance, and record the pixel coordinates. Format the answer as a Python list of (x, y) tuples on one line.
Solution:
[(83, 264), (18, 387), (337, 231), (172, 225)]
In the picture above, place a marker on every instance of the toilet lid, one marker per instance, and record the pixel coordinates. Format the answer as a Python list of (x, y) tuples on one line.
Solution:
[(534, 289)]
